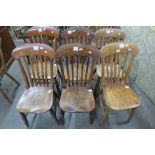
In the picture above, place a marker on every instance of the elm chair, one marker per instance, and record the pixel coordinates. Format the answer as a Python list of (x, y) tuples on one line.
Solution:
[(4, 71), (38, 93), (44, 35), (117, 60), (77, 62), (77, 35), (49, 36), (96, 28)]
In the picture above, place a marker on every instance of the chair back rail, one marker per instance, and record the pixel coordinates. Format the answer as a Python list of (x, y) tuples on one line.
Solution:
[(77, 35), (96, 28), (44, 35), (33, 60)]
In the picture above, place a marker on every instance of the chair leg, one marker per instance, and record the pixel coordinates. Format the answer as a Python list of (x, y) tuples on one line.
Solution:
[(12, 78), (6, 96), (105, 116), (23, 116), (131, 114), (62, 113), (91, 116), (54, 116)]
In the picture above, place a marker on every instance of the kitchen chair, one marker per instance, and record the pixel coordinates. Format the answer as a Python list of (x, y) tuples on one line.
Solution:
[(44, 35), (96, 28), (38, 94), (4, 71), (107, 36), (77, 35), (20, 31), (117, 60), (77, 62), (48, 36)]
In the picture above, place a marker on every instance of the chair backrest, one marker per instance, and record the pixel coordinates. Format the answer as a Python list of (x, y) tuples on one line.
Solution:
[(44, 35), (33, 60), (117, 60), (76, 63), (77, 35), (107, 36), (2, 61), (95, 28)]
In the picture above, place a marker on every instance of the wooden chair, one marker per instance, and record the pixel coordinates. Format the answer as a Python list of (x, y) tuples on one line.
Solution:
[(77, 67), (4, 71), (38, 94), (20, 31), (44, 35), (117, 60), (77, 35), (107, 36), (48, 36), (96, 28)]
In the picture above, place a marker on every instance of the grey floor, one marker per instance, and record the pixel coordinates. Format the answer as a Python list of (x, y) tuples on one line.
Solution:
[(10, 119)]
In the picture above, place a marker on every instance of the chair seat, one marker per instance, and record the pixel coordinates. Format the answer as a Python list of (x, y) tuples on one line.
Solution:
[(77, 99), (99, 71), (35, 100), (48, 70), (120, 97)]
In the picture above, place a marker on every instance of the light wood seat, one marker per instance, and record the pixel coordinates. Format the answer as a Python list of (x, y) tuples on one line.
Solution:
[(77, 99), (120, 97), (36, 99)]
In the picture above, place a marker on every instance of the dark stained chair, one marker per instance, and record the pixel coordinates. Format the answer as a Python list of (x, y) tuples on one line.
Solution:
[(76, 64), (77, 35), (38, 94)]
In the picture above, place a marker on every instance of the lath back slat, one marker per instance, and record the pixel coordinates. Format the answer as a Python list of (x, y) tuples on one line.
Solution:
[(77, 63), (44, 35), (117, 60), (77, 35), (35, 60)]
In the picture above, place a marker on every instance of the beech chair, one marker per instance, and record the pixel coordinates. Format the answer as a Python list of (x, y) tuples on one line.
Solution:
[(107, 36), (77, 35), (38, 94), (117, 60), (96, 28), (4, 71), (77, 62)]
